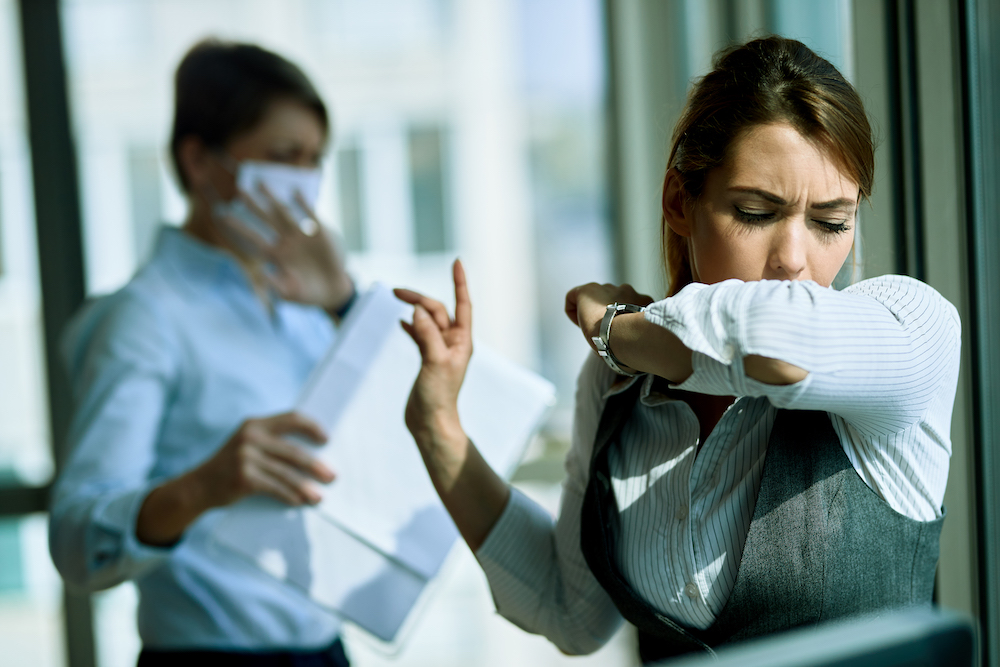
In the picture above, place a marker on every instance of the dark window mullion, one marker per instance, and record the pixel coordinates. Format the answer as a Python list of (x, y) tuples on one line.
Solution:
[(980, 30), (904, 100), (60, 246)]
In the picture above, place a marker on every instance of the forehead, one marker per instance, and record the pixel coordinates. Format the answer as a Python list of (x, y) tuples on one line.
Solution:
[(777, 158), (292, 117), (287, 121)]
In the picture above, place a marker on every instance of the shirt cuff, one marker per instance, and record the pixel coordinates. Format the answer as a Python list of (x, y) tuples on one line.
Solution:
[(115, 540), (519, 544)]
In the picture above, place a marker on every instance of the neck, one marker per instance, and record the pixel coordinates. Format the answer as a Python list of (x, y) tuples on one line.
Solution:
[(708, 409), (201, 224)]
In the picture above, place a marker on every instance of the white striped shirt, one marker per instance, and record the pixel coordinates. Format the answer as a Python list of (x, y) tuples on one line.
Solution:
[(882, 357)]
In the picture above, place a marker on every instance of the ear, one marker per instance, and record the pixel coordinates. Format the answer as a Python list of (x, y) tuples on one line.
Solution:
[(194, 161), (676, 209)]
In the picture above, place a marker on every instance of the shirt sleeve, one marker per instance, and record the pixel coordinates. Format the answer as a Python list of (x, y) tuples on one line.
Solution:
[(879, 353), (535, 566), (122, 367)]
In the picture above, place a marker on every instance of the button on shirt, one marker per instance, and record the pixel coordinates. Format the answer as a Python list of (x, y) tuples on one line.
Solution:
[(163, 373), (882, 357)]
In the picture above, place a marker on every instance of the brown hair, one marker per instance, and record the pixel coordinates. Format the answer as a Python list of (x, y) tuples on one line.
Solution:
[(764, 81), (223, 89)]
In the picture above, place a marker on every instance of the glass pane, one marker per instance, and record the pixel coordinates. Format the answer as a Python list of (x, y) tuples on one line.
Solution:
[(352, 220), (428, 176), (25, 454), (31, 630), (462, 128)]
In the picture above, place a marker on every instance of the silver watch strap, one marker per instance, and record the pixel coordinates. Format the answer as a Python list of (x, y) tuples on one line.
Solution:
[(603, 341)]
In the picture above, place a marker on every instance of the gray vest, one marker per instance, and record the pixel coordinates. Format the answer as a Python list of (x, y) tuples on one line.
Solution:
[(822, 545)]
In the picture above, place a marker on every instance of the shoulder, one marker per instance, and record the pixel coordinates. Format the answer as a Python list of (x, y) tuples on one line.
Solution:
[(132, 322)]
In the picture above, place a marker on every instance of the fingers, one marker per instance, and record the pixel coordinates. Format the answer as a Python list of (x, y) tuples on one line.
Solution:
[(293, 422), (283, 482), (279, 283), (427, 335), (463, 304), (276, 449), (281, 214), (277, 218), (436, 309), (570, 306), (250, 236), (313, 221)]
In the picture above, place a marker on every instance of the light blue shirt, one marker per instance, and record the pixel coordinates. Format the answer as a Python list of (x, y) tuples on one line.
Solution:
[(163, 372)]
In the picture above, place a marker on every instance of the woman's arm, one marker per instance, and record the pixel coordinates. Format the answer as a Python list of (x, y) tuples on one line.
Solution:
[(536, 570), (256, 459), (646, 347), (108, 518), (471, 491), (879, 354)]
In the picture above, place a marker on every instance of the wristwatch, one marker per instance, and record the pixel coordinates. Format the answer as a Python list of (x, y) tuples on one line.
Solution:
[(602, 342)]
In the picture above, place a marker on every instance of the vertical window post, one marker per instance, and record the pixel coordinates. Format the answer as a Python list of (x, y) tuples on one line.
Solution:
[(60, 246)]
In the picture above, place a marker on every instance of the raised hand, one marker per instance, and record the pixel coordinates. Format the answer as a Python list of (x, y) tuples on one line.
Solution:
[(306, 265), (471, 491), (445, 349)]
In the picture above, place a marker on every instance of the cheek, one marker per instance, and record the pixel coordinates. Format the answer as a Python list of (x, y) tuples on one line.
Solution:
[(832, 258), (224, 184), (722, 250)]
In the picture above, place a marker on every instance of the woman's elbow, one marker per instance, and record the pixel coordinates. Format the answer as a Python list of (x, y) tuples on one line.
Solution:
[(67, 548), (772, 371)]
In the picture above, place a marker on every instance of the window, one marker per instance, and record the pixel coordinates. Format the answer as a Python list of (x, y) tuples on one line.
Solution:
[(428, 186), (30, 590), (430, 158), (349, 184)]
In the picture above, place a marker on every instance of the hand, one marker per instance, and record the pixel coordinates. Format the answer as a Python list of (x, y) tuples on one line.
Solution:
[(586, 305), (445, 348), (257, 459), (307, 267)]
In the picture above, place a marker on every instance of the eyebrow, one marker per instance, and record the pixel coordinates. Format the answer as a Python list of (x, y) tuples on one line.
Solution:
[(843, 202)]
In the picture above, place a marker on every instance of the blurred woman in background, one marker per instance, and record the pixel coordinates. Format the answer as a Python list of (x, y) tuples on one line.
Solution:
[(183, 379)]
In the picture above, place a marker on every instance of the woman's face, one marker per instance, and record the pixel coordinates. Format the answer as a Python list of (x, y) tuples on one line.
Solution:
[(777, 209), (289, 133)]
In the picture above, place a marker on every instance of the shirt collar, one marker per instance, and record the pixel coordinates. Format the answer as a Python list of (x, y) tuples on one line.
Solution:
[(648, 395), (196, 261)]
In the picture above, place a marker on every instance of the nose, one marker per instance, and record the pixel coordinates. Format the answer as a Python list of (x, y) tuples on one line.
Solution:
[(788, 251)]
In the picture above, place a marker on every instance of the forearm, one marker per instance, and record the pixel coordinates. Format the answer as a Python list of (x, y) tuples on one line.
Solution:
[(651, 348), (170, 509), (648, 348), (471, 491)]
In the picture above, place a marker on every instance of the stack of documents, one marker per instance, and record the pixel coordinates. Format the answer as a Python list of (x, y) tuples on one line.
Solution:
[(369, 550)]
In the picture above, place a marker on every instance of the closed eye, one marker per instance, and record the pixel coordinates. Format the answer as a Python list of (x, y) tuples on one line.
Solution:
[(750, 216), (834, 226)]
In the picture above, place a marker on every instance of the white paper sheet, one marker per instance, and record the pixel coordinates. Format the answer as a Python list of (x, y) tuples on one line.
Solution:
[(380, 534)]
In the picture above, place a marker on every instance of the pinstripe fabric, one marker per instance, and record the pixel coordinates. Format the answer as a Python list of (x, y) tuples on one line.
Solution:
[(882, 358)]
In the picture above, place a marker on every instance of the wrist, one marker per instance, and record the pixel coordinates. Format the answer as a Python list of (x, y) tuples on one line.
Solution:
[(168, 510), (200, 491), (344, 295), (603, 341), (439, 428)]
